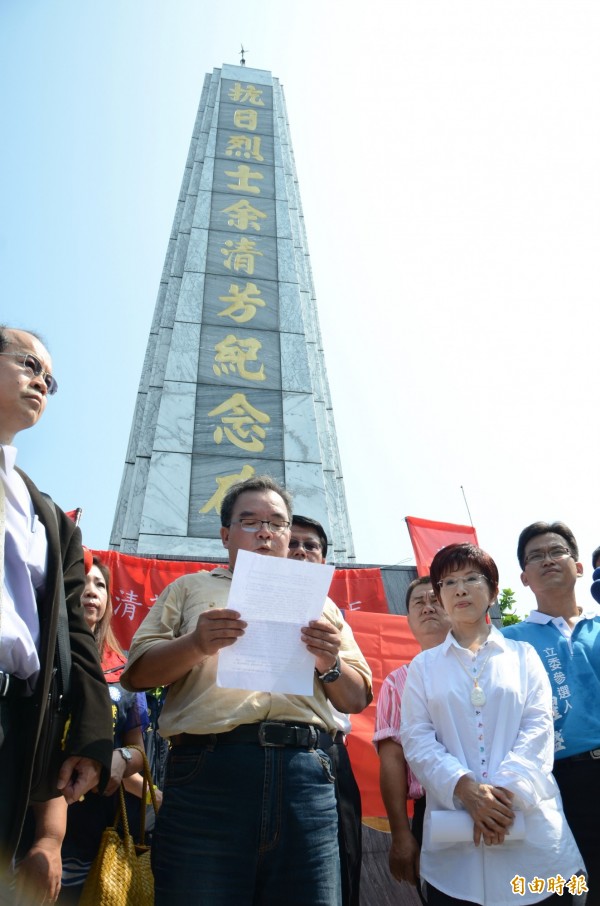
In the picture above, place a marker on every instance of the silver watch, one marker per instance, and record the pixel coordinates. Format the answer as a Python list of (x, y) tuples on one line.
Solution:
[(125, 753)]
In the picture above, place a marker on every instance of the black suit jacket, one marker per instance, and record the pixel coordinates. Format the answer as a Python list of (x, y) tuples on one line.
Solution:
[(90, 732)]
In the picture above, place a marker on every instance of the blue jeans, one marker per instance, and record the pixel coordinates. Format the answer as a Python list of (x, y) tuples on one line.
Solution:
[(243, 825)]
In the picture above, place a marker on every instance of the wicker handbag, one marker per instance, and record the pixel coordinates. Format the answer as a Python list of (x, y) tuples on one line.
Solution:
[(121, 874)]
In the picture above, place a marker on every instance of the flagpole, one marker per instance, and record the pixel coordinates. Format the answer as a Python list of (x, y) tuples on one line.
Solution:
[(467, 506)]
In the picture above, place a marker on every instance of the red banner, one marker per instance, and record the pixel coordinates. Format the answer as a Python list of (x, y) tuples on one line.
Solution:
[(386, 642), (428, 538)]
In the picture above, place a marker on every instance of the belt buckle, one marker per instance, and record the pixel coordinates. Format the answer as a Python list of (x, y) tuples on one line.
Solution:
[(595, 754), (4, 683), (262, 734)]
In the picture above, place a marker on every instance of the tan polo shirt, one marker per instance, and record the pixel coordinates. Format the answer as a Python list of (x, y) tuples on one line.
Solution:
[(195, 704)]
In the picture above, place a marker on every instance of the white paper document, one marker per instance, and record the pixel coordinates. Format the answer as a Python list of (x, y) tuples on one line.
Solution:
[(276, 597), (457, 827)]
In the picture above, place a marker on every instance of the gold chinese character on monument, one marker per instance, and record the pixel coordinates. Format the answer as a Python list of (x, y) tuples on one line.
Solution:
[(244, 215), (246, 119), (247, 95), (243, 427), (247, 146), (240, 257), (243, 303), (224, 482), (243, 174), (233, 355)]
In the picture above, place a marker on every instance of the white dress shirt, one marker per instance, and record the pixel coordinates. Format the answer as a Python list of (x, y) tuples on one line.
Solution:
[(508, 742), (25, 558)]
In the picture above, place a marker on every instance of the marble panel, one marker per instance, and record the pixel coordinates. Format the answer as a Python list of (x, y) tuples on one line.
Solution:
[(131, 525), (136, 426), (242, 145), (187, 215), (146, 438), (236, 423), (182, 363), (191, 295), (194, 186), (208, 170), (175, 546), (160, 357), (128, 547), (252, 258), (167, 492), (286, 261), (280, 186), (197, 251), (171, 299), (166, 271), (122, 501), (201, 217), (177, 218), (250, 216), (211, 142), (290, 308), (239, 357), (234, 302), (175, 423), (305, 483), (211, 479), (244, 74), (300, 441), (148, 361), (181, 249), (295, 374), (284, 226), (246, 180)]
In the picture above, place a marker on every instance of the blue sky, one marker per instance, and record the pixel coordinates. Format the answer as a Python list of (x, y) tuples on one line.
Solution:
[(447, 156)]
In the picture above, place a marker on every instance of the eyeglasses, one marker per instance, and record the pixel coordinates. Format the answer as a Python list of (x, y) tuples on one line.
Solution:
[(30, 362), (255, 525), (468, 581), (427, 600), (311, 547), (552, 553)]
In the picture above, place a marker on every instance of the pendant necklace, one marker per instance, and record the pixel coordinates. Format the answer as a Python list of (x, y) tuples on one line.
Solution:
[(478, 696)]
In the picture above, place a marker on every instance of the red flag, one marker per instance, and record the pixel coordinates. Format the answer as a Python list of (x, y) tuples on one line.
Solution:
[(428, 538), (74, 515)]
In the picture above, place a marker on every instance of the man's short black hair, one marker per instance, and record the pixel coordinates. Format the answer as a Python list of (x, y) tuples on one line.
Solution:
[(543, 528), (256, 483), (306, 522), (4, 338), (596, 558)]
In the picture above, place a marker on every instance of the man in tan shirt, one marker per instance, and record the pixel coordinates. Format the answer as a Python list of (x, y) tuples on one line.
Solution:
[(249, 812)]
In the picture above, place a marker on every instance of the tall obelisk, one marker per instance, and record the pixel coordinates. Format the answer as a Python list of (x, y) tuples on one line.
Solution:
[(234, 380)]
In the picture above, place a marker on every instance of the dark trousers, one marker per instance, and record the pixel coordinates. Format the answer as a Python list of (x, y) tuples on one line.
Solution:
[(349, 809), (579, 785), (11, 755)]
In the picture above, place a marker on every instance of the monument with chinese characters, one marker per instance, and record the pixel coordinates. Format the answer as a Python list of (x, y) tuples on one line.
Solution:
[(234, 381)]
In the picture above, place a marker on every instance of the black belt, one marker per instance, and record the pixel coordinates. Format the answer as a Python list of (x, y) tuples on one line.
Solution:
[(11, 686), (271, 733), (592, 755)]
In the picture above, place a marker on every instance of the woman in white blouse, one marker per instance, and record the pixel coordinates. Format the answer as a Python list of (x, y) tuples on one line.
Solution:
[(477, 732)]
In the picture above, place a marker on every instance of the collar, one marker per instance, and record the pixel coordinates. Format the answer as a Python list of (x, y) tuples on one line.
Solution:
[(10, 458), (221, 573), (588, 611), (495, 638)]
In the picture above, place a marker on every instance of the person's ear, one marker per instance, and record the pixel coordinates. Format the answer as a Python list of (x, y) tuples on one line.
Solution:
[(579, 568), (225, 535), (524, 579)]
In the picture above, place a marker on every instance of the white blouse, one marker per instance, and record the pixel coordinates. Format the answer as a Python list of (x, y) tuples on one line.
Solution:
[(508, 742)]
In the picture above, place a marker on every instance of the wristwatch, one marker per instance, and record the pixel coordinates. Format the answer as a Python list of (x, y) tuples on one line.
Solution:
[(125, 753), (333, 674)]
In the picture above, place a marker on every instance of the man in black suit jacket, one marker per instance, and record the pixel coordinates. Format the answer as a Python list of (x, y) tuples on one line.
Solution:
[(41, 551)]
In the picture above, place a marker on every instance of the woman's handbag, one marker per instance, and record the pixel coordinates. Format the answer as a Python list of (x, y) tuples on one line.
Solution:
[(121, 874)]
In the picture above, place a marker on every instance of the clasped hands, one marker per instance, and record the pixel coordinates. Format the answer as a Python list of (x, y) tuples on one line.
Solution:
[(489, 806), (217, 629)]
